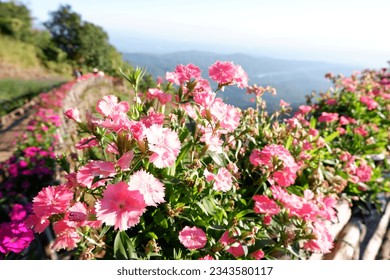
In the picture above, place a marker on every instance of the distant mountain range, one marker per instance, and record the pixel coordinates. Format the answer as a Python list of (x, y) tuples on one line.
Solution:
[(293, 79)]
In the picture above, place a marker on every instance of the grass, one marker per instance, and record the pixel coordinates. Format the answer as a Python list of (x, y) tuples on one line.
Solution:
[(18, 53), (15, 92)]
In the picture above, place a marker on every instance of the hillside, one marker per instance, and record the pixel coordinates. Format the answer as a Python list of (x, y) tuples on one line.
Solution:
[(293, 79), (21, 60)]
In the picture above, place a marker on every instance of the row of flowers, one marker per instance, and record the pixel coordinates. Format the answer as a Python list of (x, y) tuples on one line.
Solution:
[(176, 173), (32, 166)]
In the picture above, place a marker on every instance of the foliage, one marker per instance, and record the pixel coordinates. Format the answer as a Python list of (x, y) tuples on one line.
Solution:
[(15, 20), (85, 44)]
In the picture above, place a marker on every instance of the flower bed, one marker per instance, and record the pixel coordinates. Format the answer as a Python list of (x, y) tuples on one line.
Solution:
[(180, 174)]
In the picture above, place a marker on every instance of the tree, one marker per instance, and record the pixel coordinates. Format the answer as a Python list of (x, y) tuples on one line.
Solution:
[(65, 27), (85, 43), (15, 20)]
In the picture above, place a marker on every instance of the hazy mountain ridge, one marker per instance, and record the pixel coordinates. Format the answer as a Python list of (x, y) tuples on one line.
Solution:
[(293, 79)]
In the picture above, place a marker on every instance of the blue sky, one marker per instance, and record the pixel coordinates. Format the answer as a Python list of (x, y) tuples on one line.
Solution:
[(345, 31)]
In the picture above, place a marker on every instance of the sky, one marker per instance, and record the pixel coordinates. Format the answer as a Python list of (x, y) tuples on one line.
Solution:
[(343, 31)]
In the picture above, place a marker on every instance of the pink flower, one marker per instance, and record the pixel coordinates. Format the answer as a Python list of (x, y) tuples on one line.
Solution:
[(66, 236), (14, 237), (222, 181), (361, 131), (165, 145), (87, 173), (241, 77), (232, 245), (152, 189), (304, 109), (265, 205), (125, 160), (207, 257), (323, 241), (313, 132), (328, 117), (109, 105), (284, 175), (331, 101), (73, 114), (226, 73), (283, 103), (81, 215), (187, 72), (37, 222), (183, 73), (120, 207), (153, 93), (229, 116), (212, 139), (258, 255), (85, 143), (163, 97), (192, 237), (369, 102), (138, 129), (364, 172), (204, 98), (52, 200), (153, 118)]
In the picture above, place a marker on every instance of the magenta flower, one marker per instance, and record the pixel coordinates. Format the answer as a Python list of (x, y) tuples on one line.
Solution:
[(120, 207), (18, 213), (152, 189), (52, 200), (258, 255), (192, 238), (165, 145), (14, 237)]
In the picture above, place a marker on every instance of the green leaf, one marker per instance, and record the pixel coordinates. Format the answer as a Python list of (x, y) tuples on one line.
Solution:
[(217, 158), (313, 122), (243, 213), (152, 235), (289, 142), (160, 219), (332, 136), (183, 152), (207, 205), (123, 247)]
